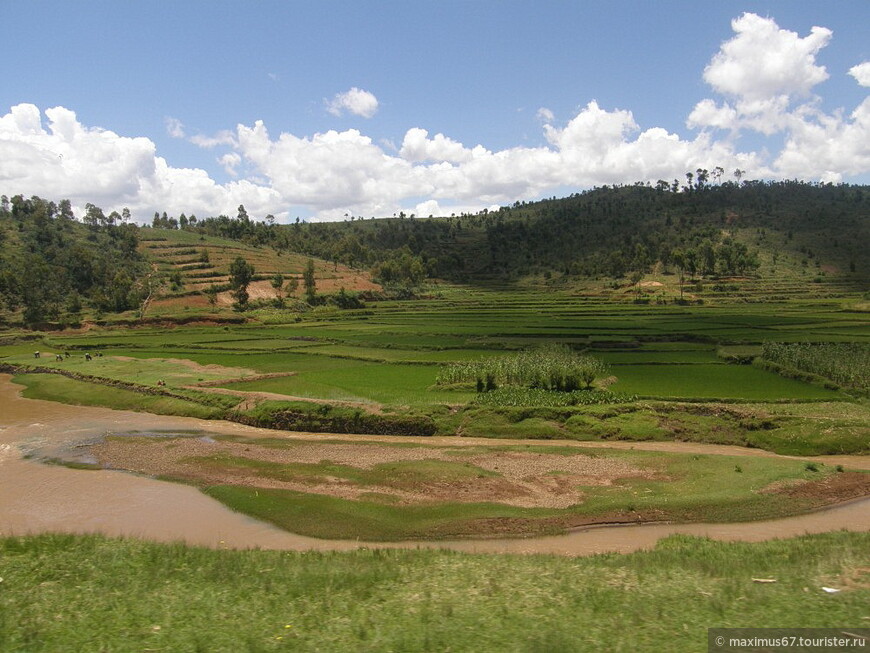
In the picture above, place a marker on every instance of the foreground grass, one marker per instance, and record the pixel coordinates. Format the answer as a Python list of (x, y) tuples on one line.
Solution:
[(90, 593)]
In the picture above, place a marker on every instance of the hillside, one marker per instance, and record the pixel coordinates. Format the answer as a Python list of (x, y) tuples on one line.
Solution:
[(195, 263), (754, 241), (53, 265), (787, 229)]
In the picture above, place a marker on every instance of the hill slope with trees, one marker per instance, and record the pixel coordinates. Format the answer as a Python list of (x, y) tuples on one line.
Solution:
[(51, 263), (700, 229)]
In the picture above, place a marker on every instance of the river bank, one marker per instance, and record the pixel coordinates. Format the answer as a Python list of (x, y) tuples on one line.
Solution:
[(40, 498)]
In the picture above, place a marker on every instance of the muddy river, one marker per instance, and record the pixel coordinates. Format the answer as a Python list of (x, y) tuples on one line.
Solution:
[(39, 498)]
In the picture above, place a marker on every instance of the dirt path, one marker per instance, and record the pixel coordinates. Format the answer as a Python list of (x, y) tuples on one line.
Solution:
[(41, 498)]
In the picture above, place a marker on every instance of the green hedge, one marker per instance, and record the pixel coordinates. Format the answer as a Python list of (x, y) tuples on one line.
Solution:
[(324, 418)]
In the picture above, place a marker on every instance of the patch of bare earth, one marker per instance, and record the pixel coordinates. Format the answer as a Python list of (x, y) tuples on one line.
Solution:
[(836, 488), (525, 479)]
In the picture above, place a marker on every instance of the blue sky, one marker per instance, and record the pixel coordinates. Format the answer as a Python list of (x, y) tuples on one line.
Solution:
[(317, 109)]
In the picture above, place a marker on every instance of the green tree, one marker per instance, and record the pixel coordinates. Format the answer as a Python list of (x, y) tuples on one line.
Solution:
[(292, 286), (211, 293), (277, 282), (241, 275), (635, 279), (309, 282), (678, 256)]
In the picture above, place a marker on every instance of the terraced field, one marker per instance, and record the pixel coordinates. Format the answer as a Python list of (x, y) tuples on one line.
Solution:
[(204, 261)]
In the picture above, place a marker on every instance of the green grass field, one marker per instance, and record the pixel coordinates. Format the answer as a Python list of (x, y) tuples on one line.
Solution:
[(80, 393), (667, 367), (87, 593), (389, 355), (713, 381)]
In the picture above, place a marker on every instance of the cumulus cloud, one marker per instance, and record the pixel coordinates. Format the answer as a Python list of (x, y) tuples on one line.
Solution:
[(769, 74), (861, 73), (830, 146), (63, 159), (230, 161), (355, 101), (763, 69), (764, 76), (417, 146), (764, 61)]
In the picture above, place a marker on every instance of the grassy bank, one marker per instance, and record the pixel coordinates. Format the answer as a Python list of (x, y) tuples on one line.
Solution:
[(53, 387), (92, 593), (803, 429), (344, 489)]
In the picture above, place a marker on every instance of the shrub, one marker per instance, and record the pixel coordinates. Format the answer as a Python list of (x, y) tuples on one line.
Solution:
[(324, 418)]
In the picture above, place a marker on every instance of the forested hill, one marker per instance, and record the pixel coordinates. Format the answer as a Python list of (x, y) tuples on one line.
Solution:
[(701, 228), (51, 263)]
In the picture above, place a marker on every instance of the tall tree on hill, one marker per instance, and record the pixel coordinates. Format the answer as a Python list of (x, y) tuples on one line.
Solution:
[(277, 282), (241, 275), (679, 259), (308, 281), (292, 286)]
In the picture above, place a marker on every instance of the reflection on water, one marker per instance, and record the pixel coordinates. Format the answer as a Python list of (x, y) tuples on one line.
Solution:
[(49, 498)]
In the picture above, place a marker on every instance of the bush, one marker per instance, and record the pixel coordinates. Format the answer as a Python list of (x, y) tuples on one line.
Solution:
[(324, 418)]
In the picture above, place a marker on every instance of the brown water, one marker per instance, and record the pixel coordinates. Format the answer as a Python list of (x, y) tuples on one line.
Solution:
[(38, 498)]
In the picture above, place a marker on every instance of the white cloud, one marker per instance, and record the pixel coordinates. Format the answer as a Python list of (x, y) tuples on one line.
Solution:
[(417, 147), (223, 137), (355, 101), (861, 73), (769, 73), (427, 208), (708, 114), (764, 60), (174, 127), (828, 146), (545, 115), (329, 174), (764, 69), (229, 162), (67, 160)]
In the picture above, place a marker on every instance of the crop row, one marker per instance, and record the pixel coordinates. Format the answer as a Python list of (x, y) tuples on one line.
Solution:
[(537, 398), (846, 363), (551, 367)]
